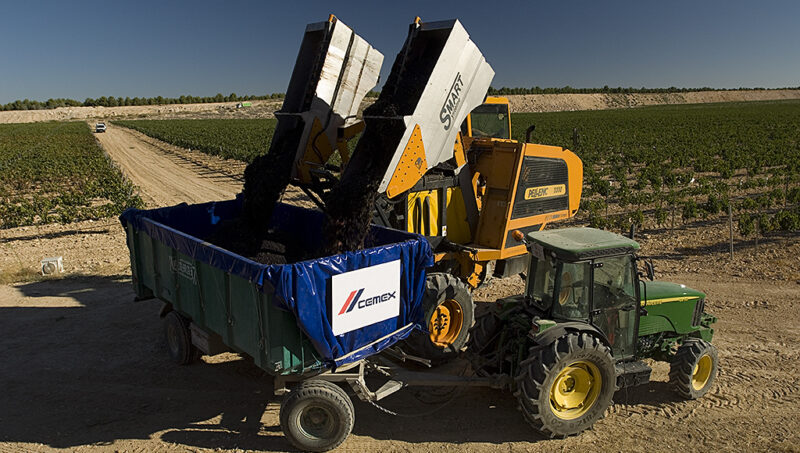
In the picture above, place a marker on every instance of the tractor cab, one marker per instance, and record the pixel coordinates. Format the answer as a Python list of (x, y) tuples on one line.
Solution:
[(588, 276)]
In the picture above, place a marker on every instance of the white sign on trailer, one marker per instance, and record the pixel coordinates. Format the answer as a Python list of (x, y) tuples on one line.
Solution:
[(365, 296)]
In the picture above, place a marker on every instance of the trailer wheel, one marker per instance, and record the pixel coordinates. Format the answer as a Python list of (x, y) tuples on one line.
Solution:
[(449, 314), (179, 339), (317, 416), (693, 369), (564, 388)]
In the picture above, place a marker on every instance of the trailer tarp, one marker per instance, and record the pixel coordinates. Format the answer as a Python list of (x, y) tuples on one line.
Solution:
[(305, 288)]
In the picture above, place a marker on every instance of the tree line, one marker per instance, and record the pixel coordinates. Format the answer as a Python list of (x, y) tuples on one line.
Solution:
[(111, 101)]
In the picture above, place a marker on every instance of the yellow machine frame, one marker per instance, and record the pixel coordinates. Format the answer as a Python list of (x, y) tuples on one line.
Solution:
[(477, 214), (498, 165)]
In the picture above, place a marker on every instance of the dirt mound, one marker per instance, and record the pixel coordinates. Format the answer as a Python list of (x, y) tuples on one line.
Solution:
[(259, 109), (601, 101), (519, 103)]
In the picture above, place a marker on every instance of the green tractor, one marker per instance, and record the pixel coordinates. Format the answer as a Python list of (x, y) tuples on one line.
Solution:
[(584, 324)]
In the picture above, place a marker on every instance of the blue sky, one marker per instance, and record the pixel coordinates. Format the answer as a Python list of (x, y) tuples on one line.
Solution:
[(150, 48)]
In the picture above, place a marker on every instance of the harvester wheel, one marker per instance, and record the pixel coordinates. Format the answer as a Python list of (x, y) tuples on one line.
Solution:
[(449, 314), (179, 339), (693, 369), (565, 387), (317, 416)]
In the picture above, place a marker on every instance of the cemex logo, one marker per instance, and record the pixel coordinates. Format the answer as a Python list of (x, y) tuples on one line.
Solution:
[(365, 296), (354, 300)]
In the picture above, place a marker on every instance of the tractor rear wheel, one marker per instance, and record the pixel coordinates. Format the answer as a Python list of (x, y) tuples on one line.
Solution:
[(449, 314), (317, 416), (564, 388), (693, 369), (484, 332)]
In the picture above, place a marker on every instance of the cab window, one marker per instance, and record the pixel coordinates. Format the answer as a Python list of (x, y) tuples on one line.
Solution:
[(490, 120), (541, 281), (613, 282), (573, 294), (614, 303)]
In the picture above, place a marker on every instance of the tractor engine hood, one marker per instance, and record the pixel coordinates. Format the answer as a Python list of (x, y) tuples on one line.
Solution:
[(657, 292)]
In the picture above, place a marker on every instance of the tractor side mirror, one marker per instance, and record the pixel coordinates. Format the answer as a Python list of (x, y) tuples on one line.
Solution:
[(651, 273)]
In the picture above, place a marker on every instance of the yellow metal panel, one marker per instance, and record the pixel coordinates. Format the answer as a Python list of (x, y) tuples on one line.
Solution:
[(411, 167), (496, 100), (458, 151), (423, 212), (457, 225), (500, 168)]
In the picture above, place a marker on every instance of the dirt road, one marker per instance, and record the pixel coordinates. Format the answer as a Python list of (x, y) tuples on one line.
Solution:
[(85, 368), (165, 178)]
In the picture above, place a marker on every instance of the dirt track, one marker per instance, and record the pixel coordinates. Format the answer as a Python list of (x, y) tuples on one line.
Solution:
[(84, 367), (164, 178)]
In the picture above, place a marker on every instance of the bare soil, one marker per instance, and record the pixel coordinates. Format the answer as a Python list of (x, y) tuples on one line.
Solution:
[(85, 368), (601, 101)]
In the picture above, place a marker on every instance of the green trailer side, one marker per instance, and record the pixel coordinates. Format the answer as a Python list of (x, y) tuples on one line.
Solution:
[(230, 306)]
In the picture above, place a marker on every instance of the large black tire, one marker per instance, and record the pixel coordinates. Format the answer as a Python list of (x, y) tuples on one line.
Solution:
[(317, 416), (179, 339), (564, 388), (693, 369), (449, 314), (485, 332)]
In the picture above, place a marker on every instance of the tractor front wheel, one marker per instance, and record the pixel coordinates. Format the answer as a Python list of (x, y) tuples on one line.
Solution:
[(693, 369), (565, 387), (449, 314)]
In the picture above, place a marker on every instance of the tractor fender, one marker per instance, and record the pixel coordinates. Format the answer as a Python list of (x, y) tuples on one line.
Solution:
[(559, 330)]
